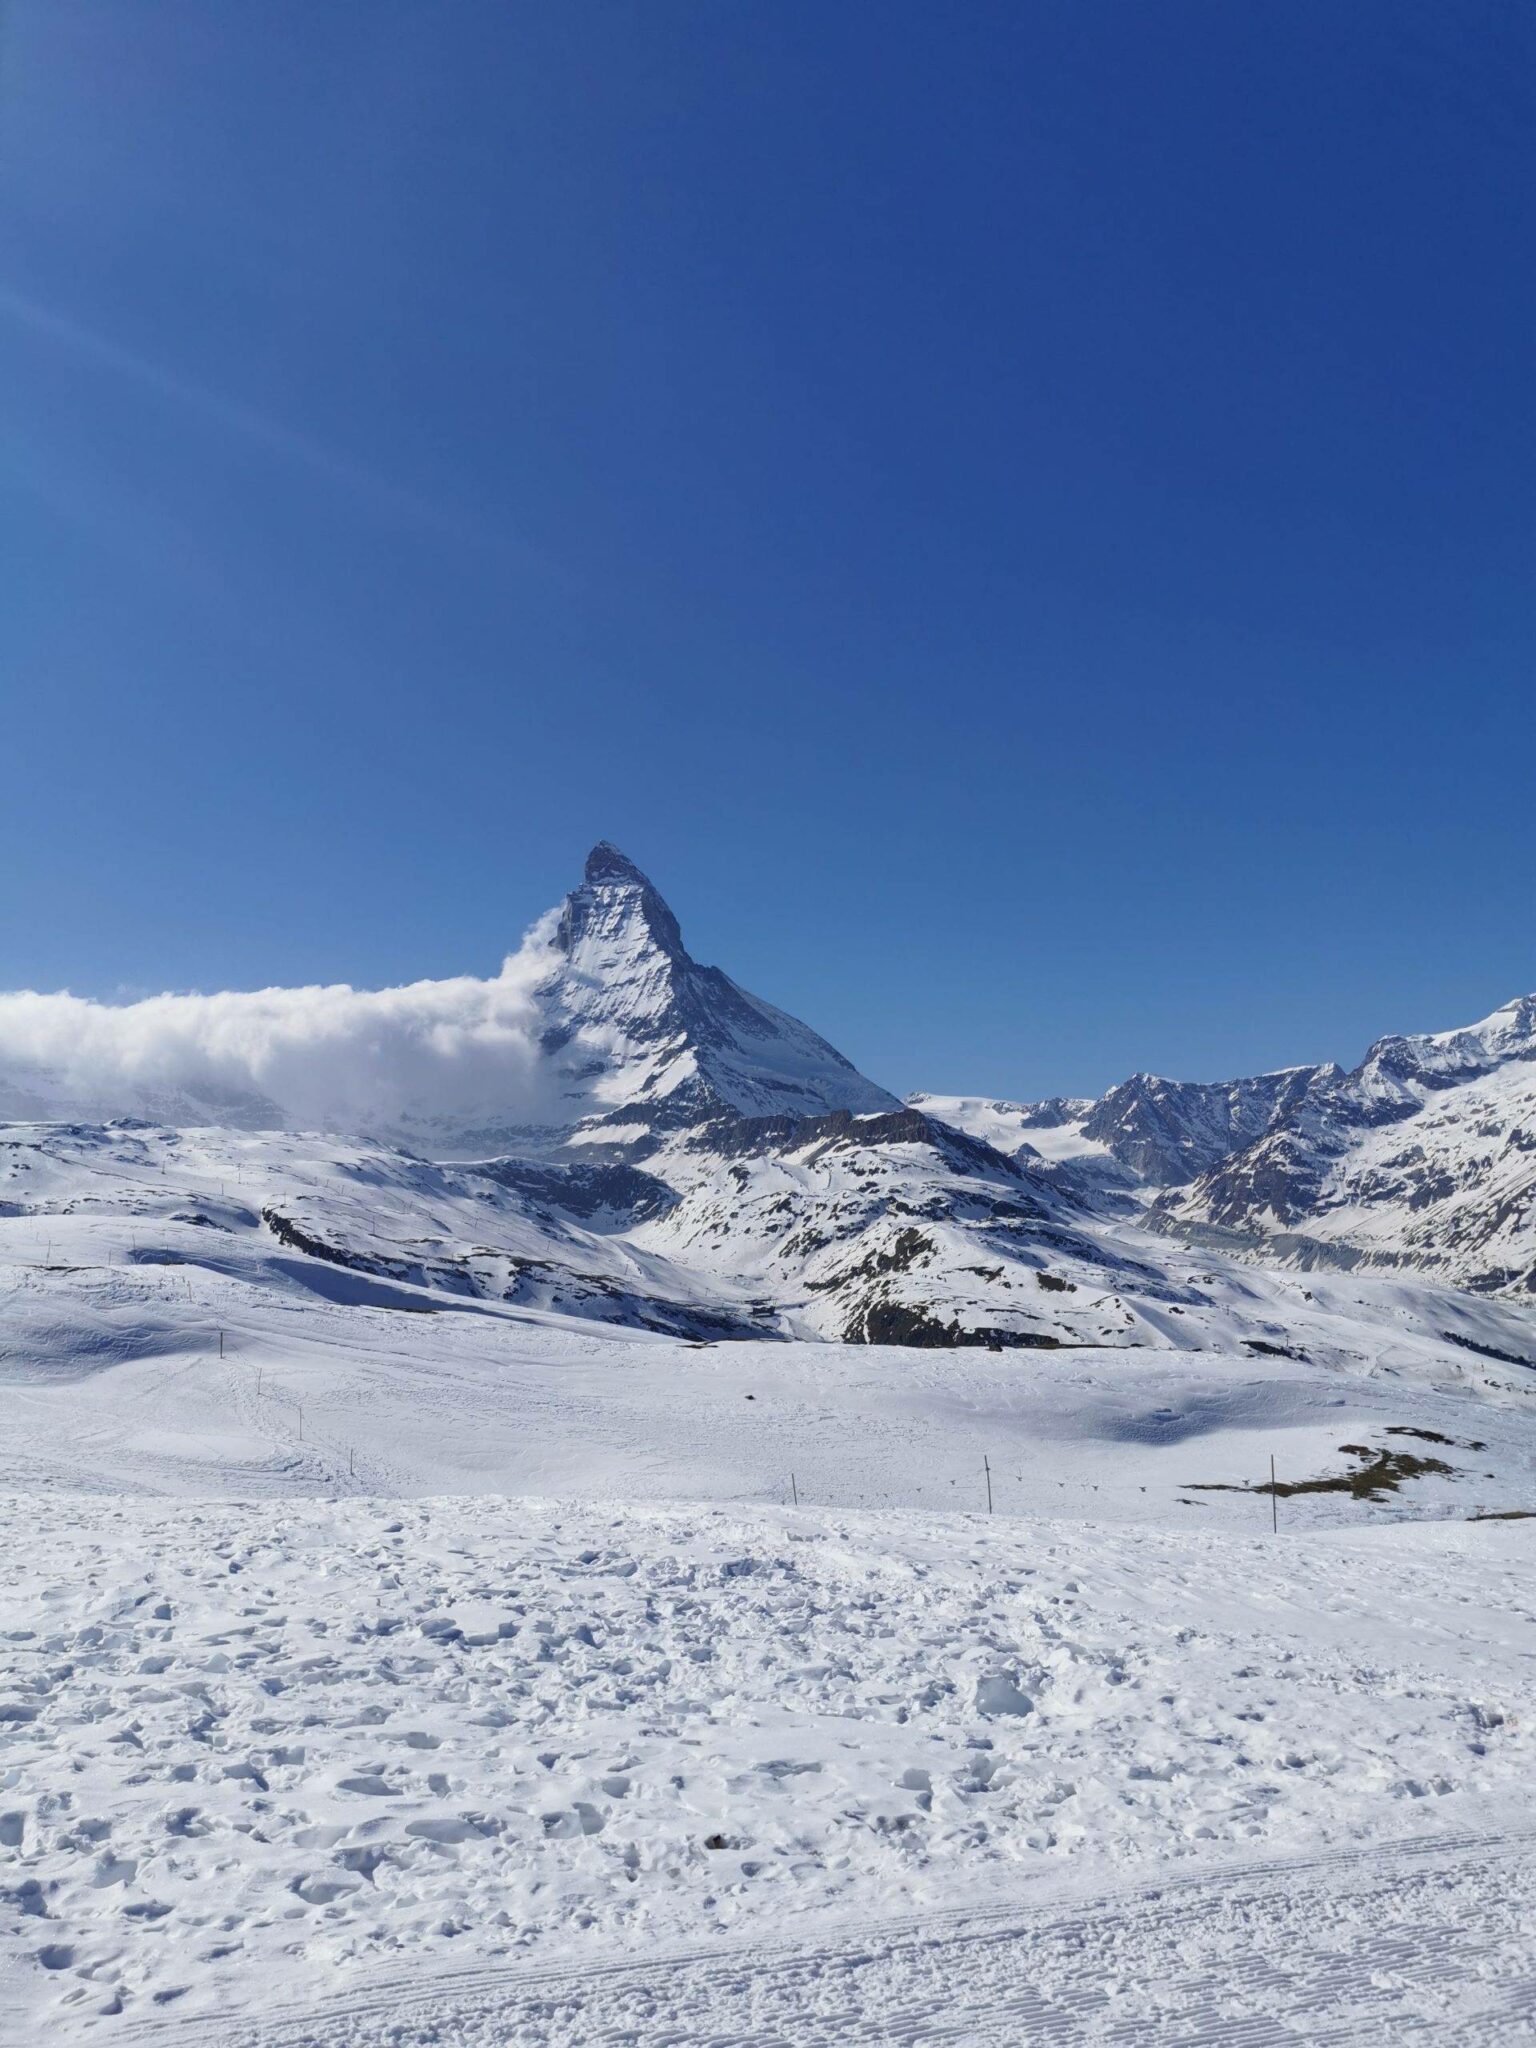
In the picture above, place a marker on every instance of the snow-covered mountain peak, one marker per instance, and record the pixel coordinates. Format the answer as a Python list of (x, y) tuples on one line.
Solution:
[(1421, 1156), (600, 1030), (1510, 1032), (617, 912), (618, 950), (606, 863), (1438, 1057), (646, 1032)]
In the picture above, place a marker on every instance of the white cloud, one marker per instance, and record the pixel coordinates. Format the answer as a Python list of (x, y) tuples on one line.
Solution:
[(324, 1055)]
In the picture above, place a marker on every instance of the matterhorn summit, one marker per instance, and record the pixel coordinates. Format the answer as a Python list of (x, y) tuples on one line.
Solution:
[(600, 1031), (635, 1038), (640, 1030)]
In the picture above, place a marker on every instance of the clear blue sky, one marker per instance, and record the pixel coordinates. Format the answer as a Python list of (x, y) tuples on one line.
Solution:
[(1019, 516)]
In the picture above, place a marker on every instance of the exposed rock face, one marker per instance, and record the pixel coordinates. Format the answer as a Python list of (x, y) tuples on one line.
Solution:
[(1167, 1132), (1158, 1133)]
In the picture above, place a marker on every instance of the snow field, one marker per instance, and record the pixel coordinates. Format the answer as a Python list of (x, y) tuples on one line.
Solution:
[(113, 1382), (299, 1743)]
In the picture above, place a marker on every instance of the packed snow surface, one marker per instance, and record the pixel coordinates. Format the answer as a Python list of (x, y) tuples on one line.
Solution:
[(1423, 1940), (250, 1749), (316, 1703)]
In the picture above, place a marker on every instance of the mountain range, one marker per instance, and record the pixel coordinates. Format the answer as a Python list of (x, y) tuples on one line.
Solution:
[(648, 1144), (1422, 1158)]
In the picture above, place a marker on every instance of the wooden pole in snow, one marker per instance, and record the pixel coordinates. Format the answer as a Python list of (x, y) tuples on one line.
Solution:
[(1274, 1498), (794, 1489), (986, 1466)]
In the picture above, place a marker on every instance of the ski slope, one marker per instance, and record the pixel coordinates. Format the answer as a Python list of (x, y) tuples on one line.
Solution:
[(1423, 1941)]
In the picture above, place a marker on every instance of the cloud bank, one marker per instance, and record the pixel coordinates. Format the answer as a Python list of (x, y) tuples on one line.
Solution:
[(306, 1057)]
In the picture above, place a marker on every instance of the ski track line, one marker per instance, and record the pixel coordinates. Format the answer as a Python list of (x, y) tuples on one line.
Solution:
[(1426, 1939)]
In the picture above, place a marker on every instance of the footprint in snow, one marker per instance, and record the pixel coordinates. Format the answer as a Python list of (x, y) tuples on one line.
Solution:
[(572, 1822)]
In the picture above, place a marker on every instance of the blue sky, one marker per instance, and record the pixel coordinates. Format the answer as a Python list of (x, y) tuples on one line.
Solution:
[(1019, 517)]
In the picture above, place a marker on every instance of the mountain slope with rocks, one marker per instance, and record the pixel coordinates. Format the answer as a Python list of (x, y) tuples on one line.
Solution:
[(1160, 1133), (1421, 1158), (669, 1152)]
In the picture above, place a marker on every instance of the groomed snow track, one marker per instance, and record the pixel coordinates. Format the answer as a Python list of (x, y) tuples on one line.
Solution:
[(1423, 1940)]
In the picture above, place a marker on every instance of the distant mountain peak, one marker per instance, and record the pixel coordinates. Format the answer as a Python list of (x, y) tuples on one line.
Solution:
[(602, 1031), (605, 863), (617, 918), (639, 1028)]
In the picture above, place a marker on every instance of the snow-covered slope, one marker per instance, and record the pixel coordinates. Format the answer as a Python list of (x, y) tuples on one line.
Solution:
[(297, 1217), (359, 1772), (1051, 1131), (1047, 1139), (896, 1229), (125, 1243)]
